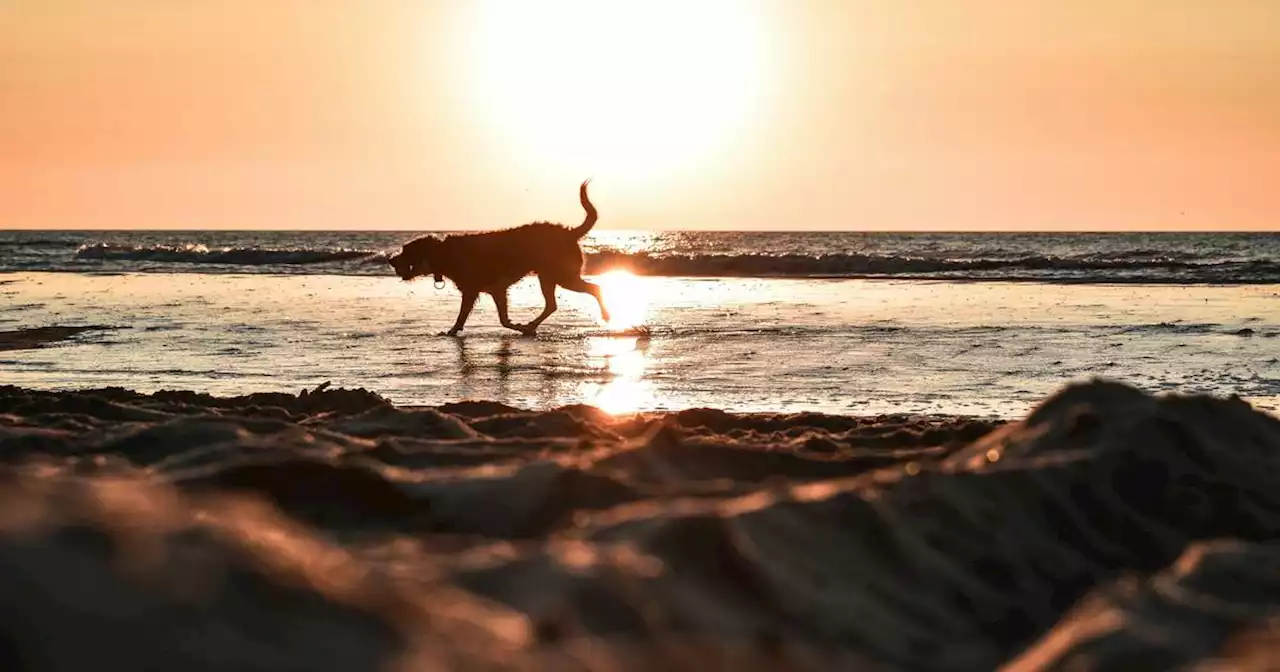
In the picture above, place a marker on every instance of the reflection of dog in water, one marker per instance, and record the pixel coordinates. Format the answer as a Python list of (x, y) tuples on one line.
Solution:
[(491, 262)]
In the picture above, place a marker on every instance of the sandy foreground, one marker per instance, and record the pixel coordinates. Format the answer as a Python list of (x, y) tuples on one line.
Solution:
[(330, 530)]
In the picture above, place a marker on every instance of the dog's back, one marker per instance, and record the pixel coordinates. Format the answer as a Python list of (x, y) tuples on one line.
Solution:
[(501, 258)]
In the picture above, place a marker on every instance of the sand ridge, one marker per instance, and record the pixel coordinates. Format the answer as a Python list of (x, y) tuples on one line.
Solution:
[(333, 530), (26, 339)]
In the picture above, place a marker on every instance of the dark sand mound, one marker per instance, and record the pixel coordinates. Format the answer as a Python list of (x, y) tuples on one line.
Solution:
[(25, 339), (330, 530)]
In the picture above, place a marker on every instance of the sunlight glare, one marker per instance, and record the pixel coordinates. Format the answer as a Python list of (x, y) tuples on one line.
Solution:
[(624, 360), (627, 297), (628, 241), (626, 90)]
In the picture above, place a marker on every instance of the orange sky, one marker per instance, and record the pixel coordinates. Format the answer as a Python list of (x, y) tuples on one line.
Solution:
[(769, 114)]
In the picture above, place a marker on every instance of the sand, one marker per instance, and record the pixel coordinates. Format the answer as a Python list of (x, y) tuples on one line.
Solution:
[(330, 530)]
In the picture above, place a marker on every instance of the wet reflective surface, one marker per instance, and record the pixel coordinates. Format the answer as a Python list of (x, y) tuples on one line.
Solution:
[(849, 346)]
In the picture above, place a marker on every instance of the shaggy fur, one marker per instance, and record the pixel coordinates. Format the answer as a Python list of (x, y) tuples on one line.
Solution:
[(493, 261)]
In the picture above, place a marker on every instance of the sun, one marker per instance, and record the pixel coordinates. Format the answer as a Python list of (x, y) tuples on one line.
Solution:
[(627, 297), (627, 90)]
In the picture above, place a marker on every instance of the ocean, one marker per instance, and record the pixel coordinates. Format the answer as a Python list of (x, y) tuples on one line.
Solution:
[(861, 323), (1230, 258)]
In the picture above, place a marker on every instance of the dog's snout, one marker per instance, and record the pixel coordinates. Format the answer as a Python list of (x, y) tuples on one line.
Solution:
[(402, 267)]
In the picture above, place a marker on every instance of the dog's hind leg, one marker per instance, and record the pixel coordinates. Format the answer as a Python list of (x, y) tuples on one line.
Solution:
[(500, 302), (548, 295), (468, 302), (580, 285)]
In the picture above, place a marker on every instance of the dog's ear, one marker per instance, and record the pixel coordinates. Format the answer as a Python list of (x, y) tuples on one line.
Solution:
[(418, 247)]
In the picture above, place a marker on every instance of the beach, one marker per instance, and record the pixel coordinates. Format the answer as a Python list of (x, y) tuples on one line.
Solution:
[(330, 529), (610, 337), (996, 452)]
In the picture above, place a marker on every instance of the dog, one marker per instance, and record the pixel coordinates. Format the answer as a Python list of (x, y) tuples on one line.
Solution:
[(491, 262)]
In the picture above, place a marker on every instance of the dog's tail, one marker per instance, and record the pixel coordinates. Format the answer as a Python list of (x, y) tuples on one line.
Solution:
[(585, 228)]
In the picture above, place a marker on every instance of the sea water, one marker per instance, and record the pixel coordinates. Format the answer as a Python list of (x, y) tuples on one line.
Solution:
[(985, 324)]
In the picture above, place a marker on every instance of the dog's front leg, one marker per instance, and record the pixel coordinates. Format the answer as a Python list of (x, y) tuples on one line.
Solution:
[(500, 302), (548, 295), (468, 302)]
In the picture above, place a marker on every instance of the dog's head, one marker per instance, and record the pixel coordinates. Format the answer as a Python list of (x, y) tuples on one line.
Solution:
[(417, 258)]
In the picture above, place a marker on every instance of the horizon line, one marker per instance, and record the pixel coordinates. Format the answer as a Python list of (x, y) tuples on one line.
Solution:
[(654, 230)]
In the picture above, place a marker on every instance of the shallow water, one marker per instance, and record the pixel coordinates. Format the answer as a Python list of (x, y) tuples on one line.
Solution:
[(743, 344)]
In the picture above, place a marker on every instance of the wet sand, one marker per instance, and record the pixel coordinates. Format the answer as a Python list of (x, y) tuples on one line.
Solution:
[(331, 530)]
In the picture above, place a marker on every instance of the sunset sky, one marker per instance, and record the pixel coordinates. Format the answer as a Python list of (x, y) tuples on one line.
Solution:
[(727, 114)]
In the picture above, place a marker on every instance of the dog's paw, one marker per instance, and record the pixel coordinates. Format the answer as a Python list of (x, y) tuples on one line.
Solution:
[(452, 333), (528, 332)]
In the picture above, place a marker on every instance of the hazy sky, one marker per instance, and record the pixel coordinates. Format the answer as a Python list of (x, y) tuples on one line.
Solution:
[(754, 114)]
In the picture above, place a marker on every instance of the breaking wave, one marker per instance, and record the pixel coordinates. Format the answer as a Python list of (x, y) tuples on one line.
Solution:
[(871, 265), (366, 256), (200, 254)]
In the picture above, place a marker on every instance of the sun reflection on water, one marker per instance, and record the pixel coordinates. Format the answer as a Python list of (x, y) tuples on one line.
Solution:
[(627, 242), (627, 297), (624, 359)]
